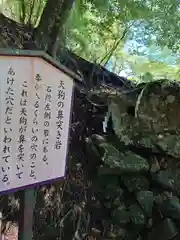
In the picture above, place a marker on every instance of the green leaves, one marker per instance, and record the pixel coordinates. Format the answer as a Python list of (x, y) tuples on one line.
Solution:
[(147, 77), (24, 11), (128, 37)]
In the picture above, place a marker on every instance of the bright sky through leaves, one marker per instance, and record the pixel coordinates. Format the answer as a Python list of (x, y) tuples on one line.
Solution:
[(95, 31)]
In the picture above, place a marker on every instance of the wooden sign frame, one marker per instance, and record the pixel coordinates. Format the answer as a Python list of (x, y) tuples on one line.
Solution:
[(28, 198)]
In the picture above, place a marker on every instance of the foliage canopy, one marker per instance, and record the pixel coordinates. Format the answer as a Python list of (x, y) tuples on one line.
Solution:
[(128, 37)]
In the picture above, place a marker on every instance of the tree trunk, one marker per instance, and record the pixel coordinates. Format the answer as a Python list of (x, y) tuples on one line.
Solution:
[(51, 25)]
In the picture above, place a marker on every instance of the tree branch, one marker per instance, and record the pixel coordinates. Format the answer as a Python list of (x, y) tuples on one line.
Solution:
[(114, 47)]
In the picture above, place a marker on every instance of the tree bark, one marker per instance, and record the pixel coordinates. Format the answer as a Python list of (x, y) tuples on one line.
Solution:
[(13, 34), (51, 24)]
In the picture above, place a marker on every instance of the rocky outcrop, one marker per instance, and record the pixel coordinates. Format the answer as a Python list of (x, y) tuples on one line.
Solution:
[(140, 168)]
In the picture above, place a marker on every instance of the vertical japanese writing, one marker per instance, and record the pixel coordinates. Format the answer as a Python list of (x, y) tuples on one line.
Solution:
[(47, 118), (35, 116), (34, 132), (9, 104), (22, 129), (60, 114)]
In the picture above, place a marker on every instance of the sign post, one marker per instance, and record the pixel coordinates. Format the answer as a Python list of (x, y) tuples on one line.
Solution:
[(35, 106), (27, 203)]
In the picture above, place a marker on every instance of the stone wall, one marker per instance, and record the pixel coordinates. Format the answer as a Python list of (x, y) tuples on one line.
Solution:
[(138, 184)]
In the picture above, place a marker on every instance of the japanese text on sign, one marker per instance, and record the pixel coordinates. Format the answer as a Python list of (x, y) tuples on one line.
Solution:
[(35, 112)]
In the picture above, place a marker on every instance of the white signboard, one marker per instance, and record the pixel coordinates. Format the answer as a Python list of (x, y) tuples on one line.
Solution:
[(35, 106)]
